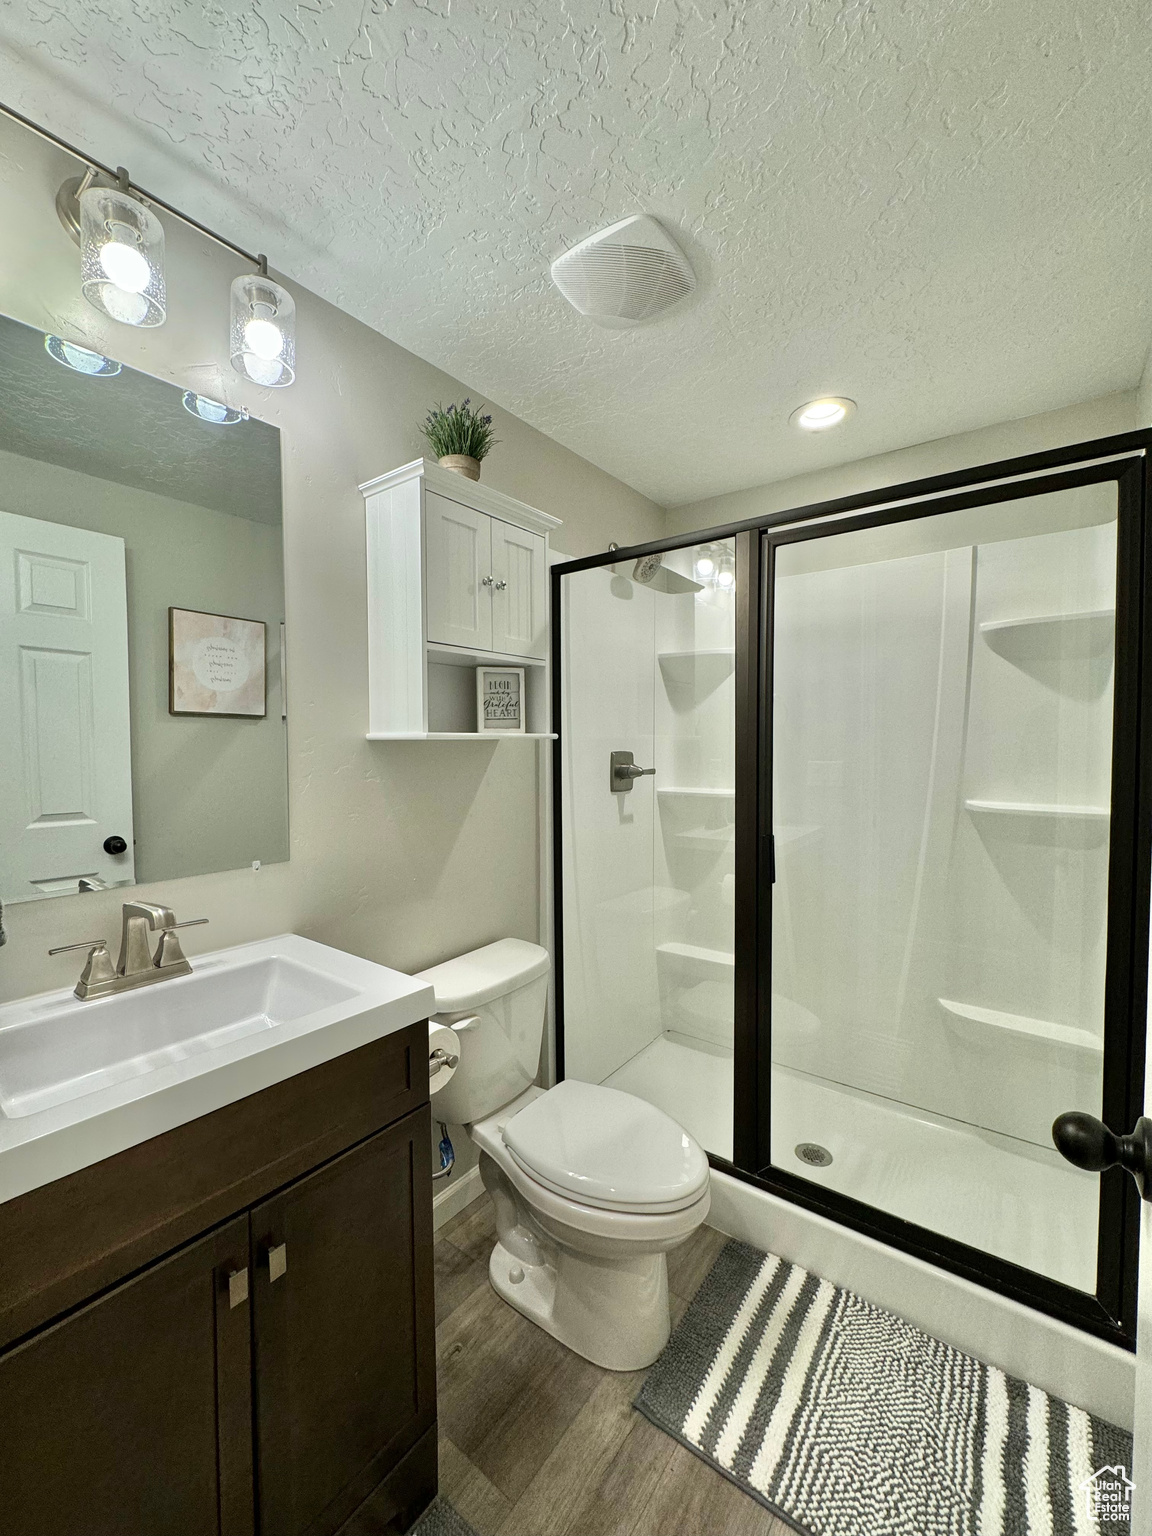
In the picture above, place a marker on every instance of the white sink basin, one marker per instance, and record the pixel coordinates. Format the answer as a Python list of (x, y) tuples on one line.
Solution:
[(77, 1049), (82, 1080)]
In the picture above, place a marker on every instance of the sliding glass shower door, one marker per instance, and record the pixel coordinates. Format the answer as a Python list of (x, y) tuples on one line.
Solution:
[(852, 843), (940, 694)]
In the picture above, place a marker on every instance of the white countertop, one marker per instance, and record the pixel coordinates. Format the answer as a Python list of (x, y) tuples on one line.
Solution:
[(48, 1144)]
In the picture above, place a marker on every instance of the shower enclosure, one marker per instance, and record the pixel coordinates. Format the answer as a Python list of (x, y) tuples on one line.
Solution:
[(852, 845)]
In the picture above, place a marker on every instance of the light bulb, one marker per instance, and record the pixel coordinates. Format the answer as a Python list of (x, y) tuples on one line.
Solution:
[(705, 567), (128, 308), (262, 331), (262, 370), (125, 266), (264, 338), (726, 576), (122, 256)]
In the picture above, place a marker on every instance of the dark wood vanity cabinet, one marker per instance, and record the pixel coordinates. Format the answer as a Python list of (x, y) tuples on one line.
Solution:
[(275, 1375), (129, 1415)]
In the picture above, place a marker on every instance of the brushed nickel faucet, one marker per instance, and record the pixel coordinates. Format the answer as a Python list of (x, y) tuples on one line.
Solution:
[(137, 965)]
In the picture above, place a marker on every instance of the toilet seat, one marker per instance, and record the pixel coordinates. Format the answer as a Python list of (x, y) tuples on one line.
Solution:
[(606, 1149)]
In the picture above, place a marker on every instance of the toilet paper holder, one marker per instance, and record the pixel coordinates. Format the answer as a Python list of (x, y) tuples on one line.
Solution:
[(439, 1059)]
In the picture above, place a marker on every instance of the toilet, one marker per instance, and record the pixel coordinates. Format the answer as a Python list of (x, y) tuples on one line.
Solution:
[(592, 1187)]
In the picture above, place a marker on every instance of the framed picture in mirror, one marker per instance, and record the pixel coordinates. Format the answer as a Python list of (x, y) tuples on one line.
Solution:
[(216, 664)]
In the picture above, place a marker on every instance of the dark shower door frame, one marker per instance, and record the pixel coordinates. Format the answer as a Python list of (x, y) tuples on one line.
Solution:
[(1111, 1312)]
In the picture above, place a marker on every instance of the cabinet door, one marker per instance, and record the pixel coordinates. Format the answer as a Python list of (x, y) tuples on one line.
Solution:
[(345, 1369), (134, 1414), (519, 606), (458, 573)]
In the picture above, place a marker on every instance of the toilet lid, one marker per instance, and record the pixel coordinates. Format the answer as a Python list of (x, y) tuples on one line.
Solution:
[(607, 1149)]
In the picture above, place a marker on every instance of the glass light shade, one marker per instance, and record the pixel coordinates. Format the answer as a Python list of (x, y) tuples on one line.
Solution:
[(122, 257), (262, 335), (213, 411), (94, 364)]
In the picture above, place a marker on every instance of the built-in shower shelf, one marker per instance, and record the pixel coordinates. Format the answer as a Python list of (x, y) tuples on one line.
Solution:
[(1083, 813), (1090, 630), (708, 839), (982, 1026), (669, 790), (706, 668), (698, 956)]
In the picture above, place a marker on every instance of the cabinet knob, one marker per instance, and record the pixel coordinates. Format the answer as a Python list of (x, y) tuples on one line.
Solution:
[(238, 1287), (501, 586), (486, 581), (277, 1262)]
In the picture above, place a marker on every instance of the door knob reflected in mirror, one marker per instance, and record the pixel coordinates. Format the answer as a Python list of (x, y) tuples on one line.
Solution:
[(1088, 1143), (115, 845)]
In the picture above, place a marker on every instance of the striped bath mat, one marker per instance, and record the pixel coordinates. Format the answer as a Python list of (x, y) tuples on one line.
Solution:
[(845, 1420)]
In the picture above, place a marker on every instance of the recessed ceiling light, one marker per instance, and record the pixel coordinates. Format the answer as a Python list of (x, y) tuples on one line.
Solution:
[(80, 359), (819, 415)]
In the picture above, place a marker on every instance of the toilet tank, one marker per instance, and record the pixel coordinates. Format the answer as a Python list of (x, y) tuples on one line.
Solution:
[(496, 998)]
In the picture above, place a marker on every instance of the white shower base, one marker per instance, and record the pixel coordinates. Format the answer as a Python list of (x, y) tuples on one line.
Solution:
[(1008, 1197)]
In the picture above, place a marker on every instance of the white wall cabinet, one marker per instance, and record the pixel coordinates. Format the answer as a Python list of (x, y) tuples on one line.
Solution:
[(457, 578)]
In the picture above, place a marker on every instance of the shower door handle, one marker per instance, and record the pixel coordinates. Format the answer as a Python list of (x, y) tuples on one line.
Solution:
[(1088, 1143), (622, 771)]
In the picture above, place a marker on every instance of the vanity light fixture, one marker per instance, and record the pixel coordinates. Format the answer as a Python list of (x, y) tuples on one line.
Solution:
[(214, 411), (819, 415), (121, 246), (262, 334), (80, 359)]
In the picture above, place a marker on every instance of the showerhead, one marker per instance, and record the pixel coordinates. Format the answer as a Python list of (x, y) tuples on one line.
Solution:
[(646, 567)]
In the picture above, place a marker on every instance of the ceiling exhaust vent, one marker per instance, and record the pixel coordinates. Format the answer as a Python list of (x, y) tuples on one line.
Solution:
[(625, 274)]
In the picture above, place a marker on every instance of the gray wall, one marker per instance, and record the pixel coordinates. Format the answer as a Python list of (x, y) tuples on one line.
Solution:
[(403, 852), (207, 794)]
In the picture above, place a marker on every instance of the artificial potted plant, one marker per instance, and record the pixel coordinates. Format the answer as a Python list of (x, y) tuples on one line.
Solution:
[(460, 436)]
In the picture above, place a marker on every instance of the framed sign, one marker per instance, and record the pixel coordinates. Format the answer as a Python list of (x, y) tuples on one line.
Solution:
[(500, 700), (216, 664)]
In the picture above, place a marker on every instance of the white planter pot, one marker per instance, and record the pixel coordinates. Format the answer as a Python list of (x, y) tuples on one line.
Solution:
[(461, 464)]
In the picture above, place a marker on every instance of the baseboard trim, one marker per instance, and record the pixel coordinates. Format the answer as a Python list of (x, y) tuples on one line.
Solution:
[(1064, 1360), (456, 1194)]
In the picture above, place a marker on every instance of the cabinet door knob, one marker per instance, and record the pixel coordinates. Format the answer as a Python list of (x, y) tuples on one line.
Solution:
[(501, 586), (486, 581), (238, 1287), (277, 1261)]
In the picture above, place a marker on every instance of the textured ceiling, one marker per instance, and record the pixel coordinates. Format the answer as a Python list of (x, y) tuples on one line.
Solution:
[(937, 207), (132, 429)]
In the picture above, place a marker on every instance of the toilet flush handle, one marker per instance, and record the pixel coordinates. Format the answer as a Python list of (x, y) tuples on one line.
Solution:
[(462, 1024)]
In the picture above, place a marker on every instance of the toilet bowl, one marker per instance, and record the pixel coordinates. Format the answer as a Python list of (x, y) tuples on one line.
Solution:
[(592, 1187)]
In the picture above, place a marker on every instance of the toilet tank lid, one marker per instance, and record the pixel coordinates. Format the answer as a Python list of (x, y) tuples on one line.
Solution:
[(484, 974)]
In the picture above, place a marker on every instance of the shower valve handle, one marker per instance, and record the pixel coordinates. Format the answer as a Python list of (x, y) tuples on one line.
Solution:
[(1089, 1144), (622, 771)]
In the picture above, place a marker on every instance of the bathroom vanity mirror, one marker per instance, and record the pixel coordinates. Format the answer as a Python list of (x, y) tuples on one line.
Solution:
[(142, 716)]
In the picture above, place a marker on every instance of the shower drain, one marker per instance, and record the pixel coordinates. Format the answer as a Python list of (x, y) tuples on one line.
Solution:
[(813, 1154)]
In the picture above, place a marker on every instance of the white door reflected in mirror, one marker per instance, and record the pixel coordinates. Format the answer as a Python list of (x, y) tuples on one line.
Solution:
[(64, 686)]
